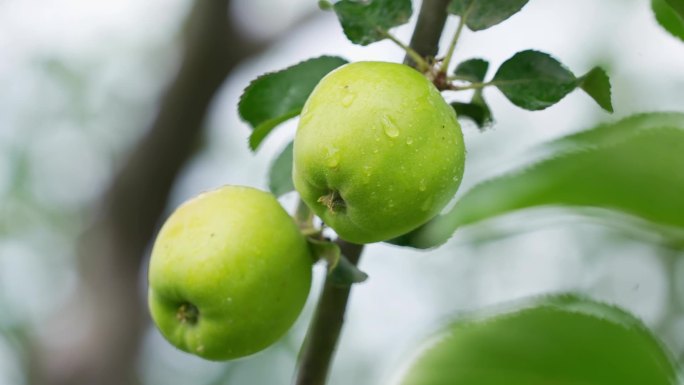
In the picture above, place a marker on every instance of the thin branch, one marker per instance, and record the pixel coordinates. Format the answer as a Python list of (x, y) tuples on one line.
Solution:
[(321, 341), (454, 40), (419, 61)]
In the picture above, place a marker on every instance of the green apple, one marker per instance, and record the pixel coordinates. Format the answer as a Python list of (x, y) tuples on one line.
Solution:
[(229, 273), (378, 152)]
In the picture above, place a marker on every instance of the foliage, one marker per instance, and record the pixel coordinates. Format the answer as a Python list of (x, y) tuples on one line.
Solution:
[(560, 339), (624, 167)]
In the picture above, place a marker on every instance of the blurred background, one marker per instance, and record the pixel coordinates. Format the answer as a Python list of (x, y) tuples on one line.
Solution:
[(114, 112)]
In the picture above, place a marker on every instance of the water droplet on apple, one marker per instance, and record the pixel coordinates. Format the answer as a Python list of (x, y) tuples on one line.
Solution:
[(348, 99), (426, 204), (421, 185), (409, 140), (367, 173), (333, 156), (389, 127)]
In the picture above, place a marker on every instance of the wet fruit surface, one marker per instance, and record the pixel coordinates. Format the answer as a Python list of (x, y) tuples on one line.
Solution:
[(378, 151)]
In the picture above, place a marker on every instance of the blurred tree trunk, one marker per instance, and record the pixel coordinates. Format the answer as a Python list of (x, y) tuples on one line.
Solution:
[(95, 339)]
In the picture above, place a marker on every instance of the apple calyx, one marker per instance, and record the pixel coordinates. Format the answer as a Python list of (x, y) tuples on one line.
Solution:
[(187, 313), (333, 201)]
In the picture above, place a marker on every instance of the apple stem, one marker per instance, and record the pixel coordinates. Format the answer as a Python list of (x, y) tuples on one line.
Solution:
[(333, 201)]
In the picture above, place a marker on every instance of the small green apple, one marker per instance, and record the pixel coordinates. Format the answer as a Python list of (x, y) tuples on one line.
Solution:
[(229, 273), (378, 152)]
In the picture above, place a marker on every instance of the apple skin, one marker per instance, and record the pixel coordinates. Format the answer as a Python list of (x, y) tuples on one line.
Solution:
[(378, 152), (229, 273)]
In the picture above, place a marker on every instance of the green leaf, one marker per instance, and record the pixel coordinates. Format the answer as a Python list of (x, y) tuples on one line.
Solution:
[(325, 5), (560, 340), (326, 250), (534, 80), (670, 15), (340, 271), (278, 96), (473, 70), (677, 6), (597, 85), (345, 274), (632, 166), (280, 176), (477, 110), (366, 22), (482, 14)]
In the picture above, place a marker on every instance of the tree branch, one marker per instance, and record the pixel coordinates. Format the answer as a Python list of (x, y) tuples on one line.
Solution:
[(321, 340), (428, 31), (324, 332)]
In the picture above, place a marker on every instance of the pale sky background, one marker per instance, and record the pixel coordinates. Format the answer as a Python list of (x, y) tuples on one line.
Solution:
[(80, 79)]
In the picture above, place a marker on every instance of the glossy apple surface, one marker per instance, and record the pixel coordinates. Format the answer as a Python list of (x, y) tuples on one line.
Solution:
[(378, 151), (229, 273)]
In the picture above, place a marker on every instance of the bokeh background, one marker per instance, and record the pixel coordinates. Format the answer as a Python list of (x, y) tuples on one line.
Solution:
[(114, 112)]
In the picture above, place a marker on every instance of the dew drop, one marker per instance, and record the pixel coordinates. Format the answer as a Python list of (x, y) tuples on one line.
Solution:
[(455, 178), (426, 204), (367, 173), (409, 140), (421, 185), (333, 156), (348, 99), (389, 127)]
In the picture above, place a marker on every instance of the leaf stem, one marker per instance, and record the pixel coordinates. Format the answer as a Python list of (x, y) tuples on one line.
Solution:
[(471, 86), (452, 46), (420, 61)]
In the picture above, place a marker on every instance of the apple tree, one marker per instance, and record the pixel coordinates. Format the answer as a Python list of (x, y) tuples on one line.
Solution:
[(377, 157)]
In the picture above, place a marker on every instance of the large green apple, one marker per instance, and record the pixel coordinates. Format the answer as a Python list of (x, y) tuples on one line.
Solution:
[(229, 273), (378, 151)]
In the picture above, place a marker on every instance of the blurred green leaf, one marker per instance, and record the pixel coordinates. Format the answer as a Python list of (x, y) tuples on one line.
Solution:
[(280, 176), (482, 14), (597, 84), (632, 166), (670, 15), (325, 5), (677, 6), (473, 70), (366, 22), (560, 340), (278, 96)]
